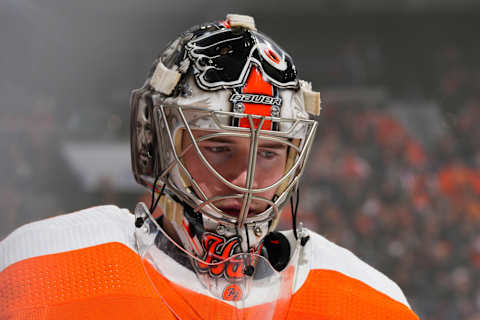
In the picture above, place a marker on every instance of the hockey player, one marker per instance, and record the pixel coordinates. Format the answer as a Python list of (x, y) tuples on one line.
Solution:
[(220, 134)]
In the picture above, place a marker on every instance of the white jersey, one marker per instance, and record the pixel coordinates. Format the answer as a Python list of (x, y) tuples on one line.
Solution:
[(104, 225)]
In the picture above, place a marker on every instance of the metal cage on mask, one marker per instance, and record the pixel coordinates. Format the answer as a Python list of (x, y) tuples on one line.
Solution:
[(189, 191), (168, 123), (179, 98)]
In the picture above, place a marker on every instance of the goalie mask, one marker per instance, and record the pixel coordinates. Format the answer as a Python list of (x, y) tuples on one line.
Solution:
[(220, 90)]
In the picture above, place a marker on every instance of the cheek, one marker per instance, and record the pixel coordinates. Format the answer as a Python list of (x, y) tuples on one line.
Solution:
[(269, 175), (199, 173), (193, 165)]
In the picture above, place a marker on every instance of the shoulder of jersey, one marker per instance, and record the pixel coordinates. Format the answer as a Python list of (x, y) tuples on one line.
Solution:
[(322, 254), (77, 230)]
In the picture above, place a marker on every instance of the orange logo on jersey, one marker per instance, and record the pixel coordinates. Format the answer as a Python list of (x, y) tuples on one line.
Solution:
[(217, 250), (232, 292)]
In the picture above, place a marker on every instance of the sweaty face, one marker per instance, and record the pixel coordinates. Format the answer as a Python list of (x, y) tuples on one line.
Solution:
[(229, 156)]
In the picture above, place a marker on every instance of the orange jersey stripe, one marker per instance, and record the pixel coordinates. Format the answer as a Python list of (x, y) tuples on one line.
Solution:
[(108, 281), (328, 294), (102, 282)]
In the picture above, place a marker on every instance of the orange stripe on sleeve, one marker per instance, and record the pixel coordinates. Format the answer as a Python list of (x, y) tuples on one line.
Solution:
[(332, 295), (102, 282), (109, 281)]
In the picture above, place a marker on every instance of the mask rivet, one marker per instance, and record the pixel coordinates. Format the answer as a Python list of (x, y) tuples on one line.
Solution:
[(186, 91), (275, 111), (220, 229), (238, 107), (258, 231)]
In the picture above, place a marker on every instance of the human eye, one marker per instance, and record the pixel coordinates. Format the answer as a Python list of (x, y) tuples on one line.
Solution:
[(217, 149), (216, 154), (267, 154)]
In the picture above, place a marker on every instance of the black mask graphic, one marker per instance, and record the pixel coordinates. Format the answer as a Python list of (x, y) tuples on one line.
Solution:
[(223, 59)]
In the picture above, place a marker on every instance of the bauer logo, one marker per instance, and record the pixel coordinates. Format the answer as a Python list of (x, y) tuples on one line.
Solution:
[(255, 98)]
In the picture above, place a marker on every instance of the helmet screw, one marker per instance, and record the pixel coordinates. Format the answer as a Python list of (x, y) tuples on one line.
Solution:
[(186, 91), (258, 231), (238, 107), (275, 111), (139, 222), (220, 229), (249, 270)]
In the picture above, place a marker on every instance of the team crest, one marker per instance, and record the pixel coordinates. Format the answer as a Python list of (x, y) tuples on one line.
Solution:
[(224, 58), (217, 250), (220, 260)]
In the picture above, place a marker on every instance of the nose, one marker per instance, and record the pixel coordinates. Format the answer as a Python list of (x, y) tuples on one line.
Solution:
[(238, 175)]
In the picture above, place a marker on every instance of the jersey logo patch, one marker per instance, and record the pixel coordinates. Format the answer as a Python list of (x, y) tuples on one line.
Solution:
[(232, 292), (217, 250)]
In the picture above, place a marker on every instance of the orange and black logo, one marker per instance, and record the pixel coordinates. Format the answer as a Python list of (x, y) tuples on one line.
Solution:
[(217, 251), (224, 58), (232, 292)]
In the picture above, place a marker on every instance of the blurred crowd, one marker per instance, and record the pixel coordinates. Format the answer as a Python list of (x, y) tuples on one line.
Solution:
[(411, 210), (411, 213)]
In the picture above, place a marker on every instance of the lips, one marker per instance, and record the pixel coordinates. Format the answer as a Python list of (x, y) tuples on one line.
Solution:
[(235, 211)]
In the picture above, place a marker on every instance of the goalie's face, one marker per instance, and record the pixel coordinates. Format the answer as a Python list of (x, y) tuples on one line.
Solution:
[(229, 156)]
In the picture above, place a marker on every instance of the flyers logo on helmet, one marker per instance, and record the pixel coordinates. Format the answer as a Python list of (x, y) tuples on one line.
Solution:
[(223, 59)]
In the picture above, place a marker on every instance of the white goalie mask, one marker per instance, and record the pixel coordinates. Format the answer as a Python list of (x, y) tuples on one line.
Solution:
[(221, 81)]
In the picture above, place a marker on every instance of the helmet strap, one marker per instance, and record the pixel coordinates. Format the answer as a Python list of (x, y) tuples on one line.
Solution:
[(154, 203), (294, 209), (195, 220)]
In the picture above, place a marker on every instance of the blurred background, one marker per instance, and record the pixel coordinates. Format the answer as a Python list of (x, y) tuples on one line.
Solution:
[(394, 175)]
